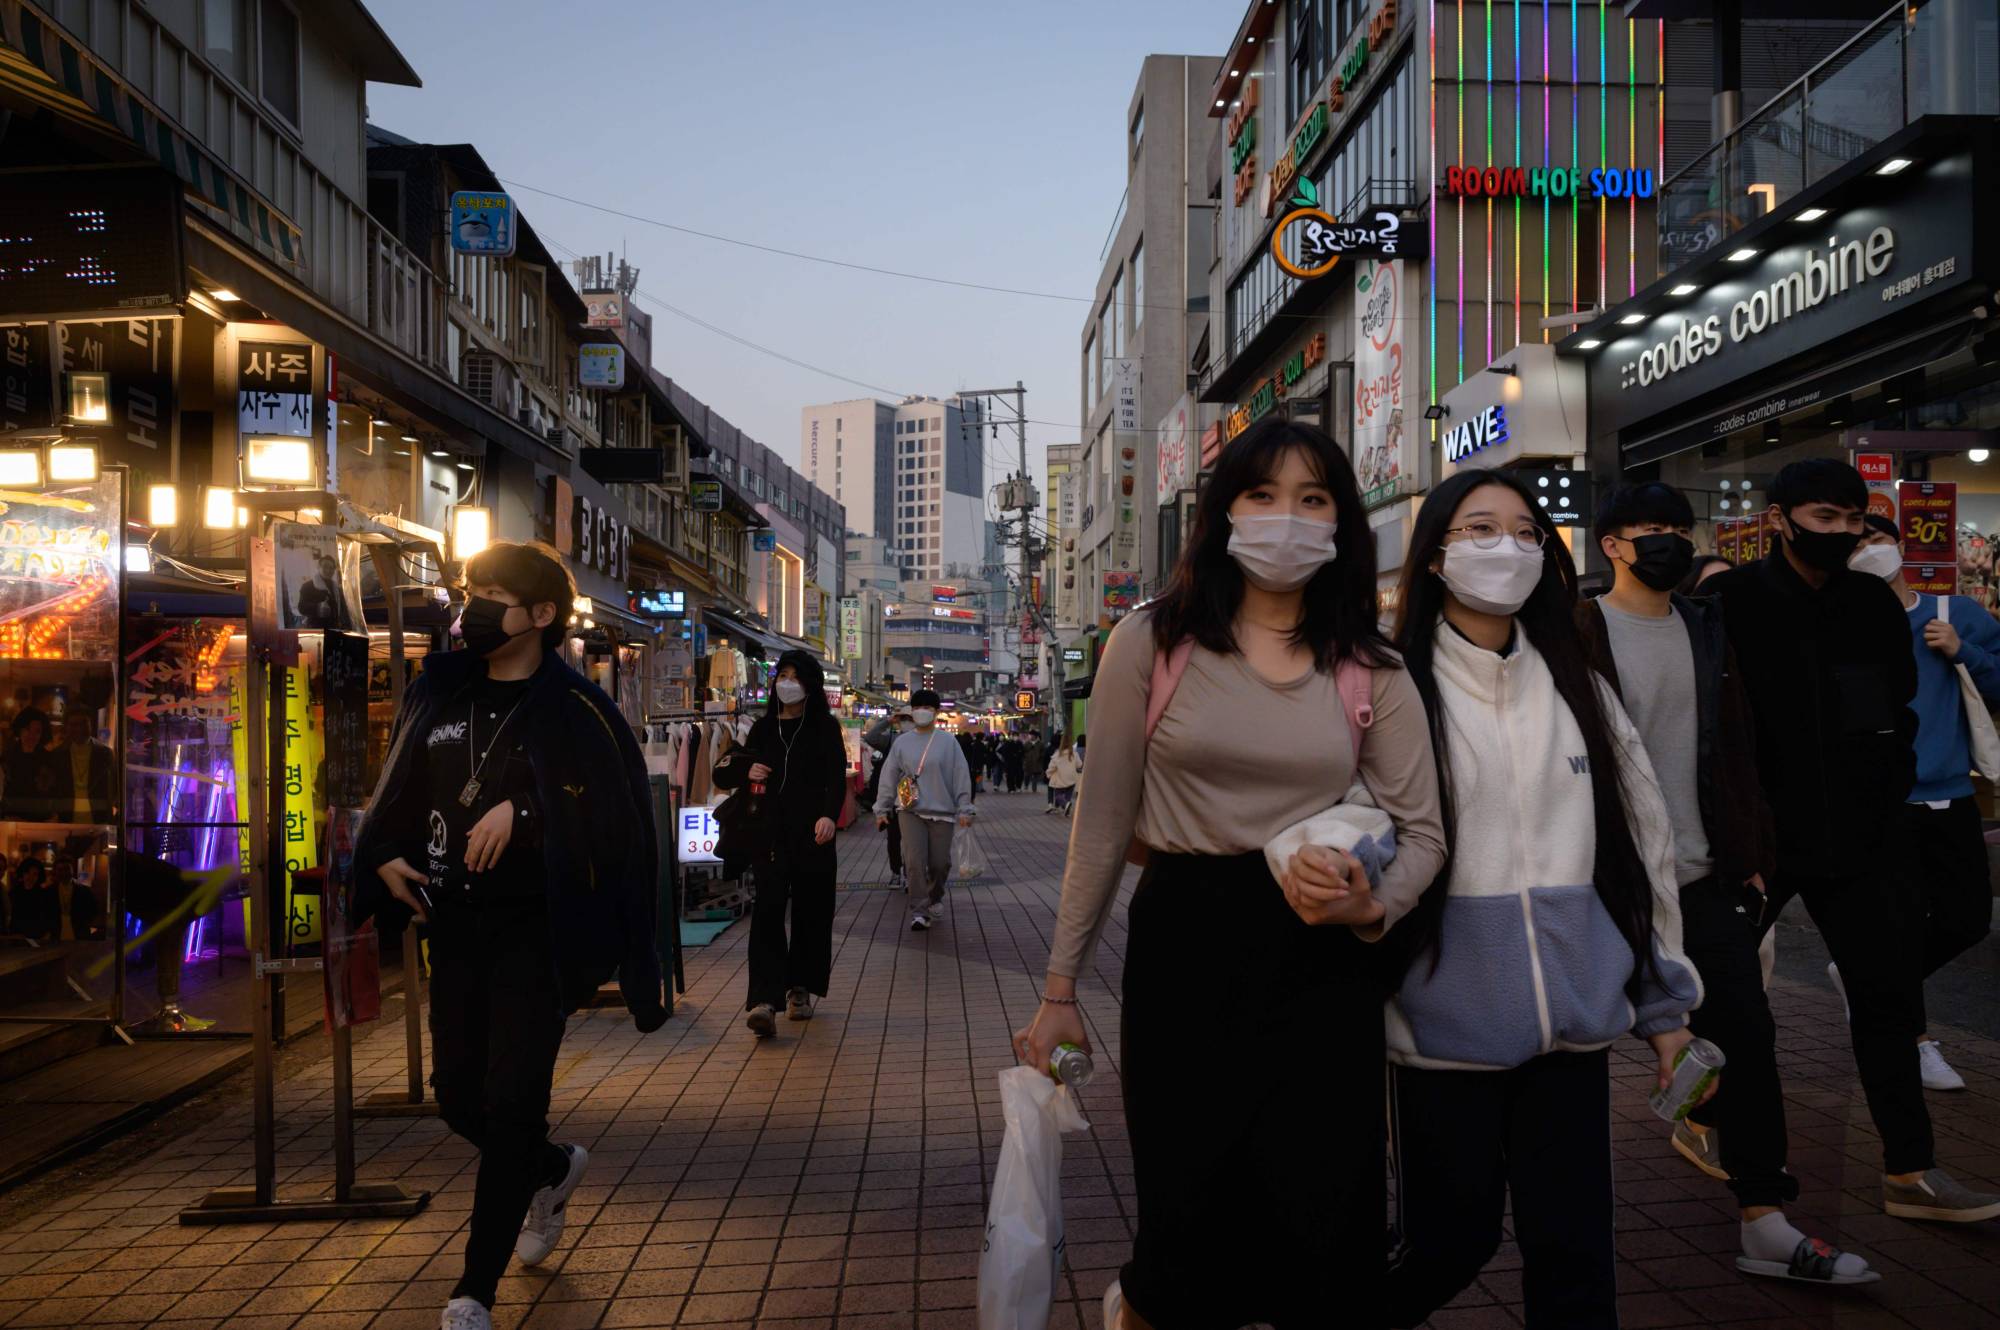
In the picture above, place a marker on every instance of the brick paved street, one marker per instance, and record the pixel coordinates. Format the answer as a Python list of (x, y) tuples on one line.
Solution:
[(835, 1176)]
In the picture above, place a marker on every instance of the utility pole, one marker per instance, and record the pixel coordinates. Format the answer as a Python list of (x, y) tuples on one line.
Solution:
[(1017, 495)]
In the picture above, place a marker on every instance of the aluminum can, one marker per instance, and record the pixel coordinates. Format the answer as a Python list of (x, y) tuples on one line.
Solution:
[(1072, 1066), (1695, 1069)]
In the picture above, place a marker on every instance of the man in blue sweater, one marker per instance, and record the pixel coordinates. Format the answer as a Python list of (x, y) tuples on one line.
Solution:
[(1946, 850), (927, 783)]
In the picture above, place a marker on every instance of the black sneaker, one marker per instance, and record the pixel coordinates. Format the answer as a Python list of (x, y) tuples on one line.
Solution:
[(920, 922)]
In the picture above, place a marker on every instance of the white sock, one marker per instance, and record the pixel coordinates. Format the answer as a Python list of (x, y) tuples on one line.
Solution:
[(1773, 1238)]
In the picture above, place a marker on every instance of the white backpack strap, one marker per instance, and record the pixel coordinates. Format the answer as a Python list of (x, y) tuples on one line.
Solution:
[(1944, 609)]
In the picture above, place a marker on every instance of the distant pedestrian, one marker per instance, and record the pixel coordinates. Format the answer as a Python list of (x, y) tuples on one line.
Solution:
[(1063, 772), (1013, 759), (799, 760), (1259, 1185), (1034, 762), (927, 785), (1943, 848), (882, 742), (521, 791)]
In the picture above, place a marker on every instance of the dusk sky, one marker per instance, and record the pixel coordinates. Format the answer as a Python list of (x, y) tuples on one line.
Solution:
[(971, 141)]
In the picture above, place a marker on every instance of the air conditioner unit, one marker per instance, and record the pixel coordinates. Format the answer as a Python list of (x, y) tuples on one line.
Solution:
[(490, 379), (557, 436), (525, 415)]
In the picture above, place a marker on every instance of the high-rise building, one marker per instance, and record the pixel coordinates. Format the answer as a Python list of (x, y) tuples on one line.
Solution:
[(912, 473), (1066, 481)]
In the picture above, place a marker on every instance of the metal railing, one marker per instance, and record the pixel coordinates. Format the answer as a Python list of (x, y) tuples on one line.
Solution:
[(346, 258), (1942, 58)]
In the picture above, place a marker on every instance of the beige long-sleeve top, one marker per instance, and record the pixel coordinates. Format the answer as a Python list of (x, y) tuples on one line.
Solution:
[(1236, 759)]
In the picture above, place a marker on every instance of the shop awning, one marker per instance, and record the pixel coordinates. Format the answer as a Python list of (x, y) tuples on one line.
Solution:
[(718, 621), (1077, 689)]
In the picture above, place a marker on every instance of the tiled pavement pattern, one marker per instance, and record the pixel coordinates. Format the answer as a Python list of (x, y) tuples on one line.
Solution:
[(834, 1177)]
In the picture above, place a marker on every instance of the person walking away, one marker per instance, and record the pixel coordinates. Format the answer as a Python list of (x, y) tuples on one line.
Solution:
[(1064, 772), (927, 787), (1943, 843), (521, 791), (1826, 660), (1034, 762), (1668, 659), (1013, 757), (800, 759), (1554, 931), (1240, 1218), (975, 761)]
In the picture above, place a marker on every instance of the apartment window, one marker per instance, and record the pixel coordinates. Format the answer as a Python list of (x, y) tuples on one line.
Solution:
[(1313, 44), (937, 423), (1138, 269), (1114, 308), (1089, 375), (1138, 128), (225, 37), (278, 44)]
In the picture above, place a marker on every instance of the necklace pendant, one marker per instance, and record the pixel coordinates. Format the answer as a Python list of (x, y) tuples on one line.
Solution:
[(469, 793)]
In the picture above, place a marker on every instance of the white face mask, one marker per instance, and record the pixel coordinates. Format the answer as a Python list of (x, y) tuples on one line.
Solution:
[(1885, 561), (1282, 552), (1495, 581), (923, 716), (905, 726), (790, 691)]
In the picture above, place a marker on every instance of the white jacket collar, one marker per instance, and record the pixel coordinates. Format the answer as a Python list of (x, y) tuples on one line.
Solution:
[(1475, 671)]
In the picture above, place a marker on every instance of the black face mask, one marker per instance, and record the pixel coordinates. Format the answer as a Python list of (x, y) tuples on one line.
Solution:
[(1827, 551), (482, 627), (1661, 561)]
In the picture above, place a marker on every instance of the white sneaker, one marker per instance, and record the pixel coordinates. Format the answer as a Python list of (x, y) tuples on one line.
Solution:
[(465, 1314), (544, 1224), (920, 922), (1833, 973), (1114, 1305), (1938, 1074)]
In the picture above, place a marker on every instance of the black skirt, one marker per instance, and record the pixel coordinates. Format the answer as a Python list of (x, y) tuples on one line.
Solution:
[(1252, 1065)]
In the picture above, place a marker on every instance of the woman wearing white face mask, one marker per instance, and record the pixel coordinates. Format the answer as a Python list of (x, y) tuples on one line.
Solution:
[(1256, 1142), (796, 754), (1553, 931)]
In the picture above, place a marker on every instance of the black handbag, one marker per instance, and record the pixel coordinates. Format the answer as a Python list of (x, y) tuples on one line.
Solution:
[(736, 825)]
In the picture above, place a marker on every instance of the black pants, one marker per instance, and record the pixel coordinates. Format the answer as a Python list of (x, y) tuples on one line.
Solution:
[(804, 959), (1873, 928), (895, 844), (1253, 1100), (1464, 1142), (496, 1022), (1946, 851), (1720, 930)]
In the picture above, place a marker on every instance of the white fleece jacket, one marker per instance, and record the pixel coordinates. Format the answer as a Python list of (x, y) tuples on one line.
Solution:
[(1530, 961)]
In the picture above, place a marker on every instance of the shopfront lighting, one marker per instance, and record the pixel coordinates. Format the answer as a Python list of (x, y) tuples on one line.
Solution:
[(218, 508), (380, 422), (1812, 214), (1684, 289), (225, 295), (471, 532), (20, 466), (1588, 344), (584, 605), (73, 462), (440, 454), (1976, 455), (89, 393), (282, 461), (1742, 255), (1894, 166), (409, 438), (467, 466), (163, 507), (138, 559), (1633, 320)]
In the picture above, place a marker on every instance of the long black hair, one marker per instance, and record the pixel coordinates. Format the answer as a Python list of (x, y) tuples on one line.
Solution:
[(1548, 619), (1207, 587), (811, 675)]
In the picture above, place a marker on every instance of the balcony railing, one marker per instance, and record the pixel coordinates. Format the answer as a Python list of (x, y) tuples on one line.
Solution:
[(342, 255), (1941, 58)]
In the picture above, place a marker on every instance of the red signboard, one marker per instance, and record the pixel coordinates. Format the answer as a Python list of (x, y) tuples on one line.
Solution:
[(1929, 521), (1875, 466)]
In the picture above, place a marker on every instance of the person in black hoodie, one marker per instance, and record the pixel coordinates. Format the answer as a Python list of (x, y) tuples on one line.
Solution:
[(513, 819), (797, 780), (1825, 657)]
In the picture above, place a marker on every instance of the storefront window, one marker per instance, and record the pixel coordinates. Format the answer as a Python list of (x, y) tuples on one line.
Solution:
[(376, 461)]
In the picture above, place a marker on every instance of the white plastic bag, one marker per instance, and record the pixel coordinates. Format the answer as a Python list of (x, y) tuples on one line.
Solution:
[(968, 857), (1022, 1257)]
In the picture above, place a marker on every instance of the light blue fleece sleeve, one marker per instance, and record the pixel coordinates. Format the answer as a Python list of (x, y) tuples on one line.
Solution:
[(1978, 646)]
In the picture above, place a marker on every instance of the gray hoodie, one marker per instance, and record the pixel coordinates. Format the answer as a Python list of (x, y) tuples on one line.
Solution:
[(944, 784)]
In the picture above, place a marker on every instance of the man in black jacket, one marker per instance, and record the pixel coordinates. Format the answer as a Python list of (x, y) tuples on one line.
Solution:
[(1825, 656), (513, 818), (1670, 661)]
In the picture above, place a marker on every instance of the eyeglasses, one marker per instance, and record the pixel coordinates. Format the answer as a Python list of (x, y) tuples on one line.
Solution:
[(1486, 535)]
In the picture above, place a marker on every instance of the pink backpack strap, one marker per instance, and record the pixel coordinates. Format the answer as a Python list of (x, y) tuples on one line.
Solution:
[(1168, 667), (1357, 699)]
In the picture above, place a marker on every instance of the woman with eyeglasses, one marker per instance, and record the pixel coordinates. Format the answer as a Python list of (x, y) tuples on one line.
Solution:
[(1552, 930)]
